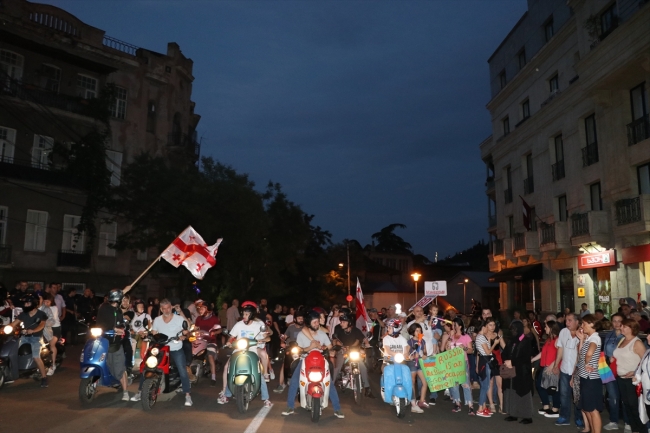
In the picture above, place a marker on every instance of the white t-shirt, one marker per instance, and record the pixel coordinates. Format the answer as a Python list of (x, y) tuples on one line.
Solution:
[(289, 319), (250, 331), (570, 351), (304, 341), (137, 324), (395, 344), (427, 334), (170, 329), (60, 305), (332, 324)]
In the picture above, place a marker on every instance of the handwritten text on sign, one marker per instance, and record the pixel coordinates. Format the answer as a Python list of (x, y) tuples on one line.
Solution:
[(445, 370)]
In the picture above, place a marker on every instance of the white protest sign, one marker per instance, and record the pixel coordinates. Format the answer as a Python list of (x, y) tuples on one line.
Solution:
[(423, 302), (435, 288)]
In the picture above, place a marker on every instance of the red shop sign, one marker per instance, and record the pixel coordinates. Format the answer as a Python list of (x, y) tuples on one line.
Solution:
[(597, 260)]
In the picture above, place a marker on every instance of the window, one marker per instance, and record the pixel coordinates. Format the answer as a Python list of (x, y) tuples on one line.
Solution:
[(11, 69), (7, 144), (525, 109), (391, 263), (557, 169), (590, 129), (548, 29), (608, 21), (521, 57), (50, 78), (107, 237), (118, 107), (596, 200), (86, 87), (141, 255), (502, 79), (553, 84), (42, 151), (590, 151), (529, 187), (639, 102), (563, 212), (643, 174), (511, 226), (73, 240), (559, 148), (80, 287), (3, 224), (506, 126), (151, 117), (114, 165), (35, 230)]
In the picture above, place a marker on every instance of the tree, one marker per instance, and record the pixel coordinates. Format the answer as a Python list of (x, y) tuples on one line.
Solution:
[(388, 241)]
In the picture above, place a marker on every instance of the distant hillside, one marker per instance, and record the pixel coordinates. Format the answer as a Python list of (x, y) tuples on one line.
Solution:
[(476, 256)]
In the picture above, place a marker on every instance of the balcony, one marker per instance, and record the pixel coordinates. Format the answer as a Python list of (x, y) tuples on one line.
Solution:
[(554, 236), (558, 170), (526, 244), (502, 249), (638, 130), (633, 215), (497, 247), (589, 227), (489, 185), (184, 142), (492, 221), (507, 195), (529, 185), (73, 259), (24, 168), (590, 154), (40, 96), (5, 254)]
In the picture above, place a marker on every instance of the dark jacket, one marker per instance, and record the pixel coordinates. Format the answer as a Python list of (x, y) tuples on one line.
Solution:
[(518, 351)]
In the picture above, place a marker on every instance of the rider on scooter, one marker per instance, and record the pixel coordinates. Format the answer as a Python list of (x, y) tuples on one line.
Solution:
[(346, 336), (209, 322), (33, 330), (290, 336), (311, 338)]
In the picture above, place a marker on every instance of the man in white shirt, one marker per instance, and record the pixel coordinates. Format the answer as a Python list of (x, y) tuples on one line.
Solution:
[(567, 355)]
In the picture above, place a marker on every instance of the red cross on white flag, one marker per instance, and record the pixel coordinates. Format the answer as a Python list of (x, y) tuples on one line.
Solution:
[(363, 320), (190, 250)]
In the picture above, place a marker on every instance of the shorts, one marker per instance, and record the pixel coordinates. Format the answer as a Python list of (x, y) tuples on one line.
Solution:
[(414, 366), (116, 363), (33, 341), (212, 350), (56, 331), (138, 339), (591, 395)]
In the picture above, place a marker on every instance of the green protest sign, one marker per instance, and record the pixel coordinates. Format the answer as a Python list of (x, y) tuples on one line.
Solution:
[(445, 370)]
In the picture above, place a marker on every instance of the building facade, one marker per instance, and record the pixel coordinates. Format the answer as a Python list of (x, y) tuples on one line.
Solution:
[(52, 69), (568, 162)]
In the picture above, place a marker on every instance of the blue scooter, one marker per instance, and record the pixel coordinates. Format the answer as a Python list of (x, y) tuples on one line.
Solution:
[(396, 385)]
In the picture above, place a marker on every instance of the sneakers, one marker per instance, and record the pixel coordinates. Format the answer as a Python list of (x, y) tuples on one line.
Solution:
[(125, 396), (432, 401), (542, 411), (337, 413), (550, 413), (471, 411), (485, 413), (222, 398), (267, 378), (267, 403), (289, 411), (456, 408), (272, 374), (628, 428), (44, 383), (580, 424), (137, 396), (562, 421), (611, 426), (188, 400), (279, 389), (415, 408), (368, 393), (50, 371), (423, 405)]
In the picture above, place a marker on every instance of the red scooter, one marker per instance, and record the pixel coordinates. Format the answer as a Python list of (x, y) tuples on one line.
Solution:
[(315, 383)]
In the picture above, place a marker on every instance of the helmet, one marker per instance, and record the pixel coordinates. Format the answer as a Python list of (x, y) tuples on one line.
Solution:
[(251, 308), (199, 303), (396, 324), (312, 315), (249, 304), (319, 310), (345, 311), (29, 299), (115, 295), (345, 317)]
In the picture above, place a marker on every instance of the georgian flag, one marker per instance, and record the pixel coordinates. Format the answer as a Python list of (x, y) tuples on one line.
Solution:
[(363, 320), (190, 250)]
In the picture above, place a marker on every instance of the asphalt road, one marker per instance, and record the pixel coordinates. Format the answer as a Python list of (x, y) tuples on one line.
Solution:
[(26, 408)]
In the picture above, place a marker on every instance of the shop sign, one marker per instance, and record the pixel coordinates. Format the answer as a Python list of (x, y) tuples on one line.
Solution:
[(603, 299), (581, 292), (597, 260)]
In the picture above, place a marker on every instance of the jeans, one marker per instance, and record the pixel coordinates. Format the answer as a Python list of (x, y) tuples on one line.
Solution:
[(613, 400), (467, 392), (178, 358), (264, 390), (543, 394), (485, 386), (293, 390), (339, 365), (566, 399), (473, 375)]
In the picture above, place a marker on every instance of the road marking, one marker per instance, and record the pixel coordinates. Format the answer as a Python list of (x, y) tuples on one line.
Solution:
[(257, 421)]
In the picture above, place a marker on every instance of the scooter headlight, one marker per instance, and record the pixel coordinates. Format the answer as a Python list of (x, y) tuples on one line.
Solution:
[(154, 351), (354, 356), (152, 362), (399, 358), (242, 344), (96, 332), (315, 376), (8, 329)]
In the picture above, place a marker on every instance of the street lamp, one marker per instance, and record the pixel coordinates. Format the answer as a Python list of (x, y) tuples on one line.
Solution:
[(341, 265), (464, 283), (416, 277)]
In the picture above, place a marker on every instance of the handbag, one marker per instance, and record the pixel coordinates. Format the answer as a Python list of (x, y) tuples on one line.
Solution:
[(507, 373), (550, 380)]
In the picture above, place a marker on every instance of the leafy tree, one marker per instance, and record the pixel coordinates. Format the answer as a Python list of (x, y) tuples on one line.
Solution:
[(388, 241)]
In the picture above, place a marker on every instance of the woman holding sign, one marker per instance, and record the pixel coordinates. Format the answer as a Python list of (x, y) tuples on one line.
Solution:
[(518, 389), (456, 337)]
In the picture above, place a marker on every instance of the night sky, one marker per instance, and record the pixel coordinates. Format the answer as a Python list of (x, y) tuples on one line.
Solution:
[(367, 112)]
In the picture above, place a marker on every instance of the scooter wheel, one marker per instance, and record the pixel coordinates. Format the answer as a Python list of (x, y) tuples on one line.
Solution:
[(149, 393), (400, 407), (315, 409), (87, 390), (3, 375)]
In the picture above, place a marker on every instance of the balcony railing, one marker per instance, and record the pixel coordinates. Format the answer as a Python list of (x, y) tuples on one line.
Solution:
[(558, 170), (548, 234), (590, 154), (119, 45), (5, 254), (497, 247), (40, 96), (492, 220), (638, 130), (628, 211), (489, 184), (579, 224), (529, 185), (520, 241), (177, 139), (507, 195), (74, 259)]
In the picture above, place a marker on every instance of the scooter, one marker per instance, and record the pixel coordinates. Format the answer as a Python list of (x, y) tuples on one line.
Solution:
[(291, 359), (350, 377), (315, 383), (17, 360), (245, 372), (396, 385), (93, 366), (161, 378), (199, 339)]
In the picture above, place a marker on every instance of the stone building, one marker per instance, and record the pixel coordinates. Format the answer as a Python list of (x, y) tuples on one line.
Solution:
[(571, 141), (52, 66)]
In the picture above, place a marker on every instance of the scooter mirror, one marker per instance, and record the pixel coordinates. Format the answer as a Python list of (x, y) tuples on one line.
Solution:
[(263, 328), (185, 324)]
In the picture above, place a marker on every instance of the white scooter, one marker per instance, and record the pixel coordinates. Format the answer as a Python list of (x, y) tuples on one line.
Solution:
[(315, 381)]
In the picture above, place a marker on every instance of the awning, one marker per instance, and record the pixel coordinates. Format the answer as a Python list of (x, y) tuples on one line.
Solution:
[(523, 273), (637, 254)]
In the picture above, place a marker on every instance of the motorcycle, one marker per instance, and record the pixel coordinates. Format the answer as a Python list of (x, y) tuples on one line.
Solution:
[(396, 385), (199, 339), (93, 366), (290, 362), (350, 376), (314, 384), (245, 372), (161, 378), (17, 360)]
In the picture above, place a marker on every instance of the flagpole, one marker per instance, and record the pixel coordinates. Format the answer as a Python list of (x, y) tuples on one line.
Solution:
[(347, 247)]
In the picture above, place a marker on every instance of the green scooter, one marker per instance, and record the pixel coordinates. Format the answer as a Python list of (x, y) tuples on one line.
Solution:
[(245, 372)]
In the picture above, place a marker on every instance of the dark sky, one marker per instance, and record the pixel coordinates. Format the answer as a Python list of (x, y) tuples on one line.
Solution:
[(367, 112)]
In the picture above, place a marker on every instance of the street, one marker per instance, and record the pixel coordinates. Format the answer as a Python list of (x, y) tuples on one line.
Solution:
[(26, 408)]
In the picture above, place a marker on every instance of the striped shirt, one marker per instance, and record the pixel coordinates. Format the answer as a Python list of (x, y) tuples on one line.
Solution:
[(593, 361), (480, 341)]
